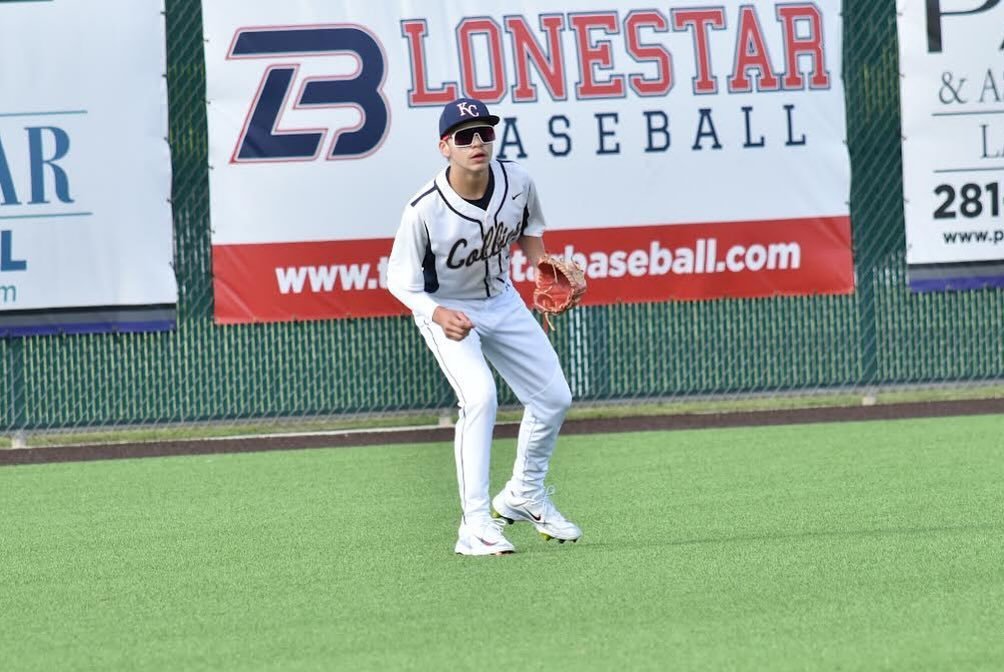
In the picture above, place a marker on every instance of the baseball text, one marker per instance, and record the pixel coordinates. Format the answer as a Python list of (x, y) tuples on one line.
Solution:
[(705, 257)]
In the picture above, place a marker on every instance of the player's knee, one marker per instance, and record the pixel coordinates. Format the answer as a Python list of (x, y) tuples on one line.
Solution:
[(563, 398), (480, 401), (553, 406)]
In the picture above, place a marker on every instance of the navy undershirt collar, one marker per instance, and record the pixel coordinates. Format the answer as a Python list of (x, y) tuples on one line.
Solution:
[(489, 190)]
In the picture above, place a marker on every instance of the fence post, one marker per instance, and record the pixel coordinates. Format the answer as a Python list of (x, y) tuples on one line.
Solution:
[(18, 415)]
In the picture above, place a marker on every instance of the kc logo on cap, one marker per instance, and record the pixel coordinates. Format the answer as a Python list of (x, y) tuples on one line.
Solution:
[(463, 110)]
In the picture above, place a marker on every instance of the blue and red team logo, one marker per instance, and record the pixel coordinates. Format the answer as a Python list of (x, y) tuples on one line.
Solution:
[(262, 140)]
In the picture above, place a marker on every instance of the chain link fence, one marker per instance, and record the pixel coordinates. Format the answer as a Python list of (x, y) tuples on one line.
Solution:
[(882, 335)]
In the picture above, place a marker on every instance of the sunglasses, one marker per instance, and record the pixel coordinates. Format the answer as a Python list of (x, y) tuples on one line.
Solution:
[(465, 137)]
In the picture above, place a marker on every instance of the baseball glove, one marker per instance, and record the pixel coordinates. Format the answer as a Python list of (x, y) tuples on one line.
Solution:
[(560, 286)]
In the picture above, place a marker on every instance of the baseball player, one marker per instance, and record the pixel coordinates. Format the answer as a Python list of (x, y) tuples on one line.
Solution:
[(450, 266)]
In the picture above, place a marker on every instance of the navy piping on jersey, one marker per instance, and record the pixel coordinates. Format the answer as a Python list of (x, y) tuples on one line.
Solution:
[(429, 263), (421, 196), (488, 292), (505, 193)]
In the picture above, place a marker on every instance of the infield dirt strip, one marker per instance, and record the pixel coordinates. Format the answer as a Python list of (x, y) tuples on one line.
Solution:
[(639, 423)]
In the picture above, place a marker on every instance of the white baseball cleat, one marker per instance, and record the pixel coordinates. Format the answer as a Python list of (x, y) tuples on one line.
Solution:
[(483, 538), (538, 510)]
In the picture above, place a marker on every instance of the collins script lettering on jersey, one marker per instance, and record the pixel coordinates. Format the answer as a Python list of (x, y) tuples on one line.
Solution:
[(497, 238)]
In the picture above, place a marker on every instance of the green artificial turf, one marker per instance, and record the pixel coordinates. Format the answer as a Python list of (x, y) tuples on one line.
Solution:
[(867, 546)]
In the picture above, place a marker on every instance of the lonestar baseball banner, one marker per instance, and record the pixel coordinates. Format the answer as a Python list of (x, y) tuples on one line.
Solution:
[(679, 153), (952, 93), (85, 168)]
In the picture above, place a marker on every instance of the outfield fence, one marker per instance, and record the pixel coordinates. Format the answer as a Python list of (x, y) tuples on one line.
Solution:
[(881, 335)]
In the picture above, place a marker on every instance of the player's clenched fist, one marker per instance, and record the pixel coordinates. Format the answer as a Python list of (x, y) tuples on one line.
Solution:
[(455, 324)]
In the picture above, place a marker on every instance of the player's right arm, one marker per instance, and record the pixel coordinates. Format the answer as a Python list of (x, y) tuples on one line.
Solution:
[(406, 277)]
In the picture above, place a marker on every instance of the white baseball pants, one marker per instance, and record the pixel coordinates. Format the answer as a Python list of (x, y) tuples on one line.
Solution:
[(507, 335)]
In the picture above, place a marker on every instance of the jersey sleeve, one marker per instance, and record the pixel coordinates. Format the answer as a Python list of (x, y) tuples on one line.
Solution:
[(405, 277), (533, 216)]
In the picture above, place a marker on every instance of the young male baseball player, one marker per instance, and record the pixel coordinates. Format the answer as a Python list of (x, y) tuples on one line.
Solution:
[(450, 266)]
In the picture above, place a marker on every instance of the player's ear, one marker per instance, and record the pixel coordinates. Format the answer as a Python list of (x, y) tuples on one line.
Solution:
[(444, 148)]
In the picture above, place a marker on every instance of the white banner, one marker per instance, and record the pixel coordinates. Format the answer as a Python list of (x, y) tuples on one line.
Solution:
[(85, 168), (687, 130), (952, 94)]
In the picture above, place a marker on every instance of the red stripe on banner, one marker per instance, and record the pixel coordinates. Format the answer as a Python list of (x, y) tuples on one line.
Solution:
[(273, 282), (276, 282)]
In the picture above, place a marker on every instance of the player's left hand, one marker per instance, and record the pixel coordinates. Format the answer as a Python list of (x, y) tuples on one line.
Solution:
[(559, 287)]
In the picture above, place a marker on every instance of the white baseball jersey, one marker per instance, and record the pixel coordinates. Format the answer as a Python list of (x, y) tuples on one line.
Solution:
[(449, 248), (452, 253)]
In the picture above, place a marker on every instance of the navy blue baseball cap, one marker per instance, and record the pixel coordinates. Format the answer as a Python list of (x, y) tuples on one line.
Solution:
[(461, 111)]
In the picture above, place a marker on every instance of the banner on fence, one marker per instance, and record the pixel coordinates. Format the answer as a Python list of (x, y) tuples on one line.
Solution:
[(952, 93), (679, 153), (85, 169)]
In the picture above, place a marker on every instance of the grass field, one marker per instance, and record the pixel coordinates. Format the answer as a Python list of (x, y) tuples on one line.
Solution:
[(871, 546)]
